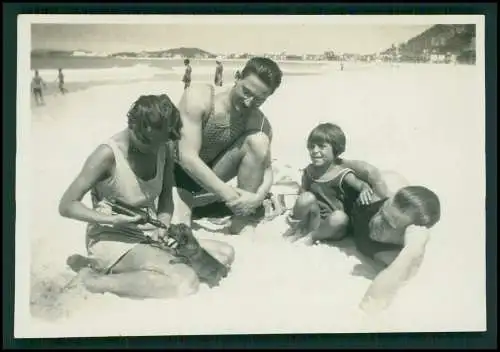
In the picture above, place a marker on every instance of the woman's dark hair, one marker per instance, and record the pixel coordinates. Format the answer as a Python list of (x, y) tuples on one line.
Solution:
[(157, 111)]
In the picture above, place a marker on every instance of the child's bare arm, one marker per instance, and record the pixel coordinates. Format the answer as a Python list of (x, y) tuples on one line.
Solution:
[(305, 182), (364, 189), (370, 174)]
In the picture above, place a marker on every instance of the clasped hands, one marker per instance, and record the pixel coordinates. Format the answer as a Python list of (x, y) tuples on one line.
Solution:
[(246, 203)]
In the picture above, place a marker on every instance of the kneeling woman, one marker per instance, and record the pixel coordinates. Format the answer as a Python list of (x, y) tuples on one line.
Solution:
[(135, 167)]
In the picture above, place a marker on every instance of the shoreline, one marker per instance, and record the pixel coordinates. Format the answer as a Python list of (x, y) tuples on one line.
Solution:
[(52, 88)]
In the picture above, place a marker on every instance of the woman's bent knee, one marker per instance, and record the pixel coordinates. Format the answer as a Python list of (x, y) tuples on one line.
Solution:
[(185, 280), (227, 254), (223, 252)]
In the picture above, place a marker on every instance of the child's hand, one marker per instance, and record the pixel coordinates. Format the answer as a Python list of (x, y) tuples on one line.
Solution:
[(365, 197)]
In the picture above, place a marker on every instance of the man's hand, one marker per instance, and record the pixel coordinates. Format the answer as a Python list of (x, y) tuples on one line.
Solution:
[(246, 203)]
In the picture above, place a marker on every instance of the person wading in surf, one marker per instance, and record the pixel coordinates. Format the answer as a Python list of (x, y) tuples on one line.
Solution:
[(133, 166)]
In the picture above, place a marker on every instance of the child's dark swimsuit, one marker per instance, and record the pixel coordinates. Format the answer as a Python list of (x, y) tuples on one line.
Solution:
[(330, 193)]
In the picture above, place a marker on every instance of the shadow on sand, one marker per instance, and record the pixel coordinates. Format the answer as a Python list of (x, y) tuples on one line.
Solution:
[(217, 222), (364, 268)]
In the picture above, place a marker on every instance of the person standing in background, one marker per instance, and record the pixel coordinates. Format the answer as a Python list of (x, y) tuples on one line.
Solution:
[(187, 74), (218, 81), (237, 75), (60, 78), (36, 87)]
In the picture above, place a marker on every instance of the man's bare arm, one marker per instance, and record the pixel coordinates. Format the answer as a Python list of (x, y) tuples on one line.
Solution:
[(385, 286), (195, 102)]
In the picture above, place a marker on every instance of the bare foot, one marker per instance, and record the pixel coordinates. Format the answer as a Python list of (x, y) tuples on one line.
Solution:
[(88, 277), (240, 225), (306, 240), (77, 262), (295, 233)]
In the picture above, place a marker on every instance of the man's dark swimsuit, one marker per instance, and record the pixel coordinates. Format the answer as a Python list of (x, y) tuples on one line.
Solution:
[(218, 136), (361, 216)]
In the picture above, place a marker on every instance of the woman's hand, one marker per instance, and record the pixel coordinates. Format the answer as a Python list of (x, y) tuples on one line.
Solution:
[(120, 219)]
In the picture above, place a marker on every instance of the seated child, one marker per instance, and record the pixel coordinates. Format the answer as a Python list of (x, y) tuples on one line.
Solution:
[(328, 190)]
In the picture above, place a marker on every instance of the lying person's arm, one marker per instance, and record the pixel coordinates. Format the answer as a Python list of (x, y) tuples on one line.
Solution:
[(404, 266)]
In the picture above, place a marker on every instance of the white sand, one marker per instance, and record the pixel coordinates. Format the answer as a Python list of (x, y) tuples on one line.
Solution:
[(426, 122)]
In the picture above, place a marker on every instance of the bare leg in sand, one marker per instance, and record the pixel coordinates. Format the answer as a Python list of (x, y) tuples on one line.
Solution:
[(312, 225), (145, 272)]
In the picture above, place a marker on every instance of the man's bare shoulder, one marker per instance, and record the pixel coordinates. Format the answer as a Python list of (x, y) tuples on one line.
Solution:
[(199, 94), (196, 99)]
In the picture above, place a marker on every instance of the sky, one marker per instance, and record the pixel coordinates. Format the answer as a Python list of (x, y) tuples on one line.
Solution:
[(217, 38)]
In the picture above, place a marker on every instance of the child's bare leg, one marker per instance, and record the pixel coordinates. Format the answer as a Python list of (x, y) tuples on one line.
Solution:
[(332, 228), (301, 212), (303, 206), (306, 226)]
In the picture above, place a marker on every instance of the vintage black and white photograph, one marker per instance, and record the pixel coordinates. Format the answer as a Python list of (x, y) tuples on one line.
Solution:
[(201, 175)]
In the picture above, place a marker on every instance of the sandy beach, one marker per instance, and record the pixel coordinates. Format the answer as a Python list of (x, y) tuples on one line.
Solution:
[(424, 121)]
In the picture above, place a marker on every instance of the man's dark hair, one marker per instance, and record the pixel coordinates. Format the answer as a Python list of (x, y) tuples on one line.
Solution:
[(266, 69), (420, 203)]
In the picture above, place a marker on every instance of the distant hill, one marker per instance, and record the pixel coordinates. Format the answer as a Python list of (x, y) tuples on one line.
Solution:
[(181, 52), (56, 53), (440, 39)]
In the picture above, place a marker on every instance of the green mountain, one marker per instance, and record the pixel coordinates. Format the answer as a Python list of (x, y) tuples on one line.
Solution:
[(440, 39)]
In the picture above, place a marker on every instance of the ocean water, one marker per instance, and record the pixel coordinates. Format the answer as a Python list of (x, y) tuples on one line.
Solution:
[(100, 69), (423, 121)]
